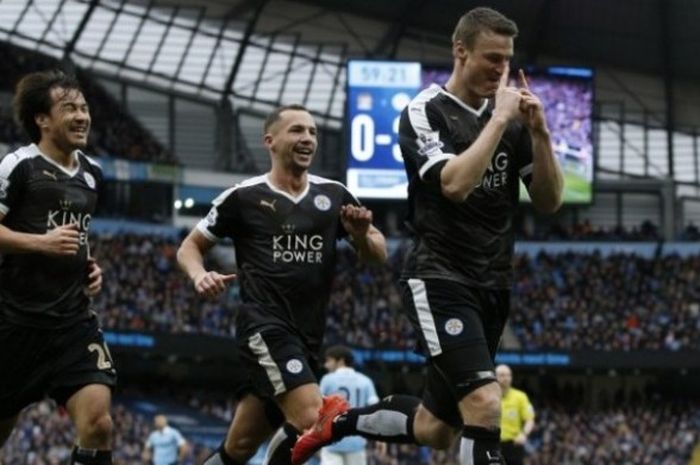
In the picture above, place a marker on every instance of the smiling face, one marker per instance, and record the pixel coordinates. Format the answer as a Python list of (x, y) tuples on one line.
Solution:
[(67, 124), (292, 140), (483, 64)]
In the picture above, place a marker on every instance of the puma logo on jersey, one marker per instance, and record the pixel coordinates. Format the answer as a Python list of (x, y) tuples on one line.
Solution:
[(50, 174), (270, 205)]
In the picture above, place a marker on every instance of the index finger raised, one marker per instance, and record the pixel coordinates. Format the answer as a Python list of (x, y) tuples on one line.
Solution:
[(504, 77), (523, 79)]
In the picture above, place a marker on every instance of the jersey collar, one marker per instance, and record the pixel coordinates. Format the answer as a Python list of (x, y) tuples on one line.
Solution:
[(294, 199), (476, 111), (68, 172)]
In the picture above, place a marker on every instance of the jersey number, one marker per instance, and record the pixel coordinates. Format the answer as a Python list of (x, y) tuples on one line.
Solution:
[(103, 356), (346, 393)]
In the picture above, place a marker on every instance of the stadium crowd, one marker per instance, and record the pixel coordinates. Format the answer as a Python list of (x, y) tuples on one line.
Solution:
[(657, 433), (144, 290), (586, 231), (561, 301), (114, 131)]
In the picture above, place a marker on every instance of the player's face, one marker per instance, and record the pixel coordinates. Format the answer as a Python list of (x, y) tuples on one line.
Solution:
[(68, 123), (485, 62), (160, 422), (293, 140)]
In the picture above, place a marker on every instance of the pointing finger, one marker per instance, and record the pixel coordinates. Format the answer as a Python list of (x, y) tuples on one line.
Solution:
[(523, 79), (504, 77)]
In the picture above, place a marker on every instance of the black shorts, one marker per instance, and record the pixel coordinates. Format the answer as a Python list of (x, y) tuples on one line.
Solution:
[(277, 361), (37, 362), (459, 329), (513, 453)]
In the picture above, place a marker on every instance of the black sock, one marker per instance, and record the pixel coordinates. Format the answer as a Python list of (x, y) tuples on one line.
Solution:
[(220, 457), (389, 420), (90, 456), (480, 446), (279, 452)]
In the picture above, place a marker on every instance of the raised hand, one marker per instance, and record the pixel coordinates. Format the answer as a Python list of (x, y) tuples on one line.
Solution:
[(63, 240), (356, 220), (211, 283), (531, 107), (507, 98)]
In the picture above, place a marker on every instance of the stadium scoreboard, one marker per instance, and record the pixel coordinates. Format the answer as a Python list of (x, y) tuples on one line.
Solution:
[(377, 93)]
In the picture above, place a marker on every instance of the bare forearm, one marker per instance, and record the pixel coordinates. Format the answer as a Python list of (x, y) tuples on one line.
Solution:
[(528, 427), (190, 259), (371, 248), (462, 174), (17, 242), (547, 178)]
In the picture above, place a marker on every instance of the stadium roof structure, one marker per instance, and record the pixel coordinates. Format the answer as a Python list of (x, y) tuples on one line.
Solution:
[(269, 51)]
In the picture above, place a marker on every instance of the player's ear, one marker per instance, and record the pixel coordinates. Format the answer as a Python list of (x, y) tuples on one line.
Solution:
[(459, 50), (41, 119), (267, 140)]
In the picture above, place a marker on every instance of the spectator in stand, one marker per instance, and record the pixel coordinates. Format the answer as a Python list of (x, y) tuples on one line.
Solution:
[(656, 431), (585, 300)]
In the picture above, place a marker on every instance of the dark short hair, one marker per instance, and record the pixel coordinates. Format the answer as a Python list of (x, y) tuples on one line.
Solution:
[(276, 114), (33, 97), (482, 19), (341, 353)]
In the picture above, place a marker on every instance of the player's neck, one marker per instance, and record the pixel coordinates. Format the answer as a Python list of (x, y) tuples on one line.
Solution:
[(60, 156), (291, 182), (460, 90)]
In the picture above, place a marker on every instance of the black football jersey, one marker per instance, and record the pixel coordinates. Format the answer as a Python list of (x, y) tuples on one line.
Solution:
[(37, 195), (285, 251), (471, 241)]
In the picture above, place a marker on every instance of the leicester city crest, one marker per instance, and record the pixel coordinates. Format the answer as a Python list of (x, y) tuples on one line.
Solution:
[(89, 180), (322, 202)]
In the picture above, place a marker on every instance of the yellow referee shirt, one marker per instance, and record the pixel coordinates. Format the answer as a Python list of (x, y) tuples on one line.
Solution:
[(516, 409)]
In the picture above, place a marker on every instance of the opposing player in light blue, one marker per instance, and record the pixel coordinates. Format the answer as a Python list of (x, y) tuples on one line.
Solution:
[(359, 391), (165, 445)]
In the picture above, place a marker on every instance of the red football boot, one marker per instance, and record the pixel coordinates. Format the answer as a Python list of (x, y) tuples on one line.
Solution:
[(319, 434)]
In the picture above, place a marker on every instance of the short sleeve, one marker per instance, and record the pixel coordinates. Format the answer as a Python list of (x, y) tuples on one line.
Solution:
[(178, 437), (324, 386), (527, 412), (12, 180), (424, 137), (372, 397), (221, 220)]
